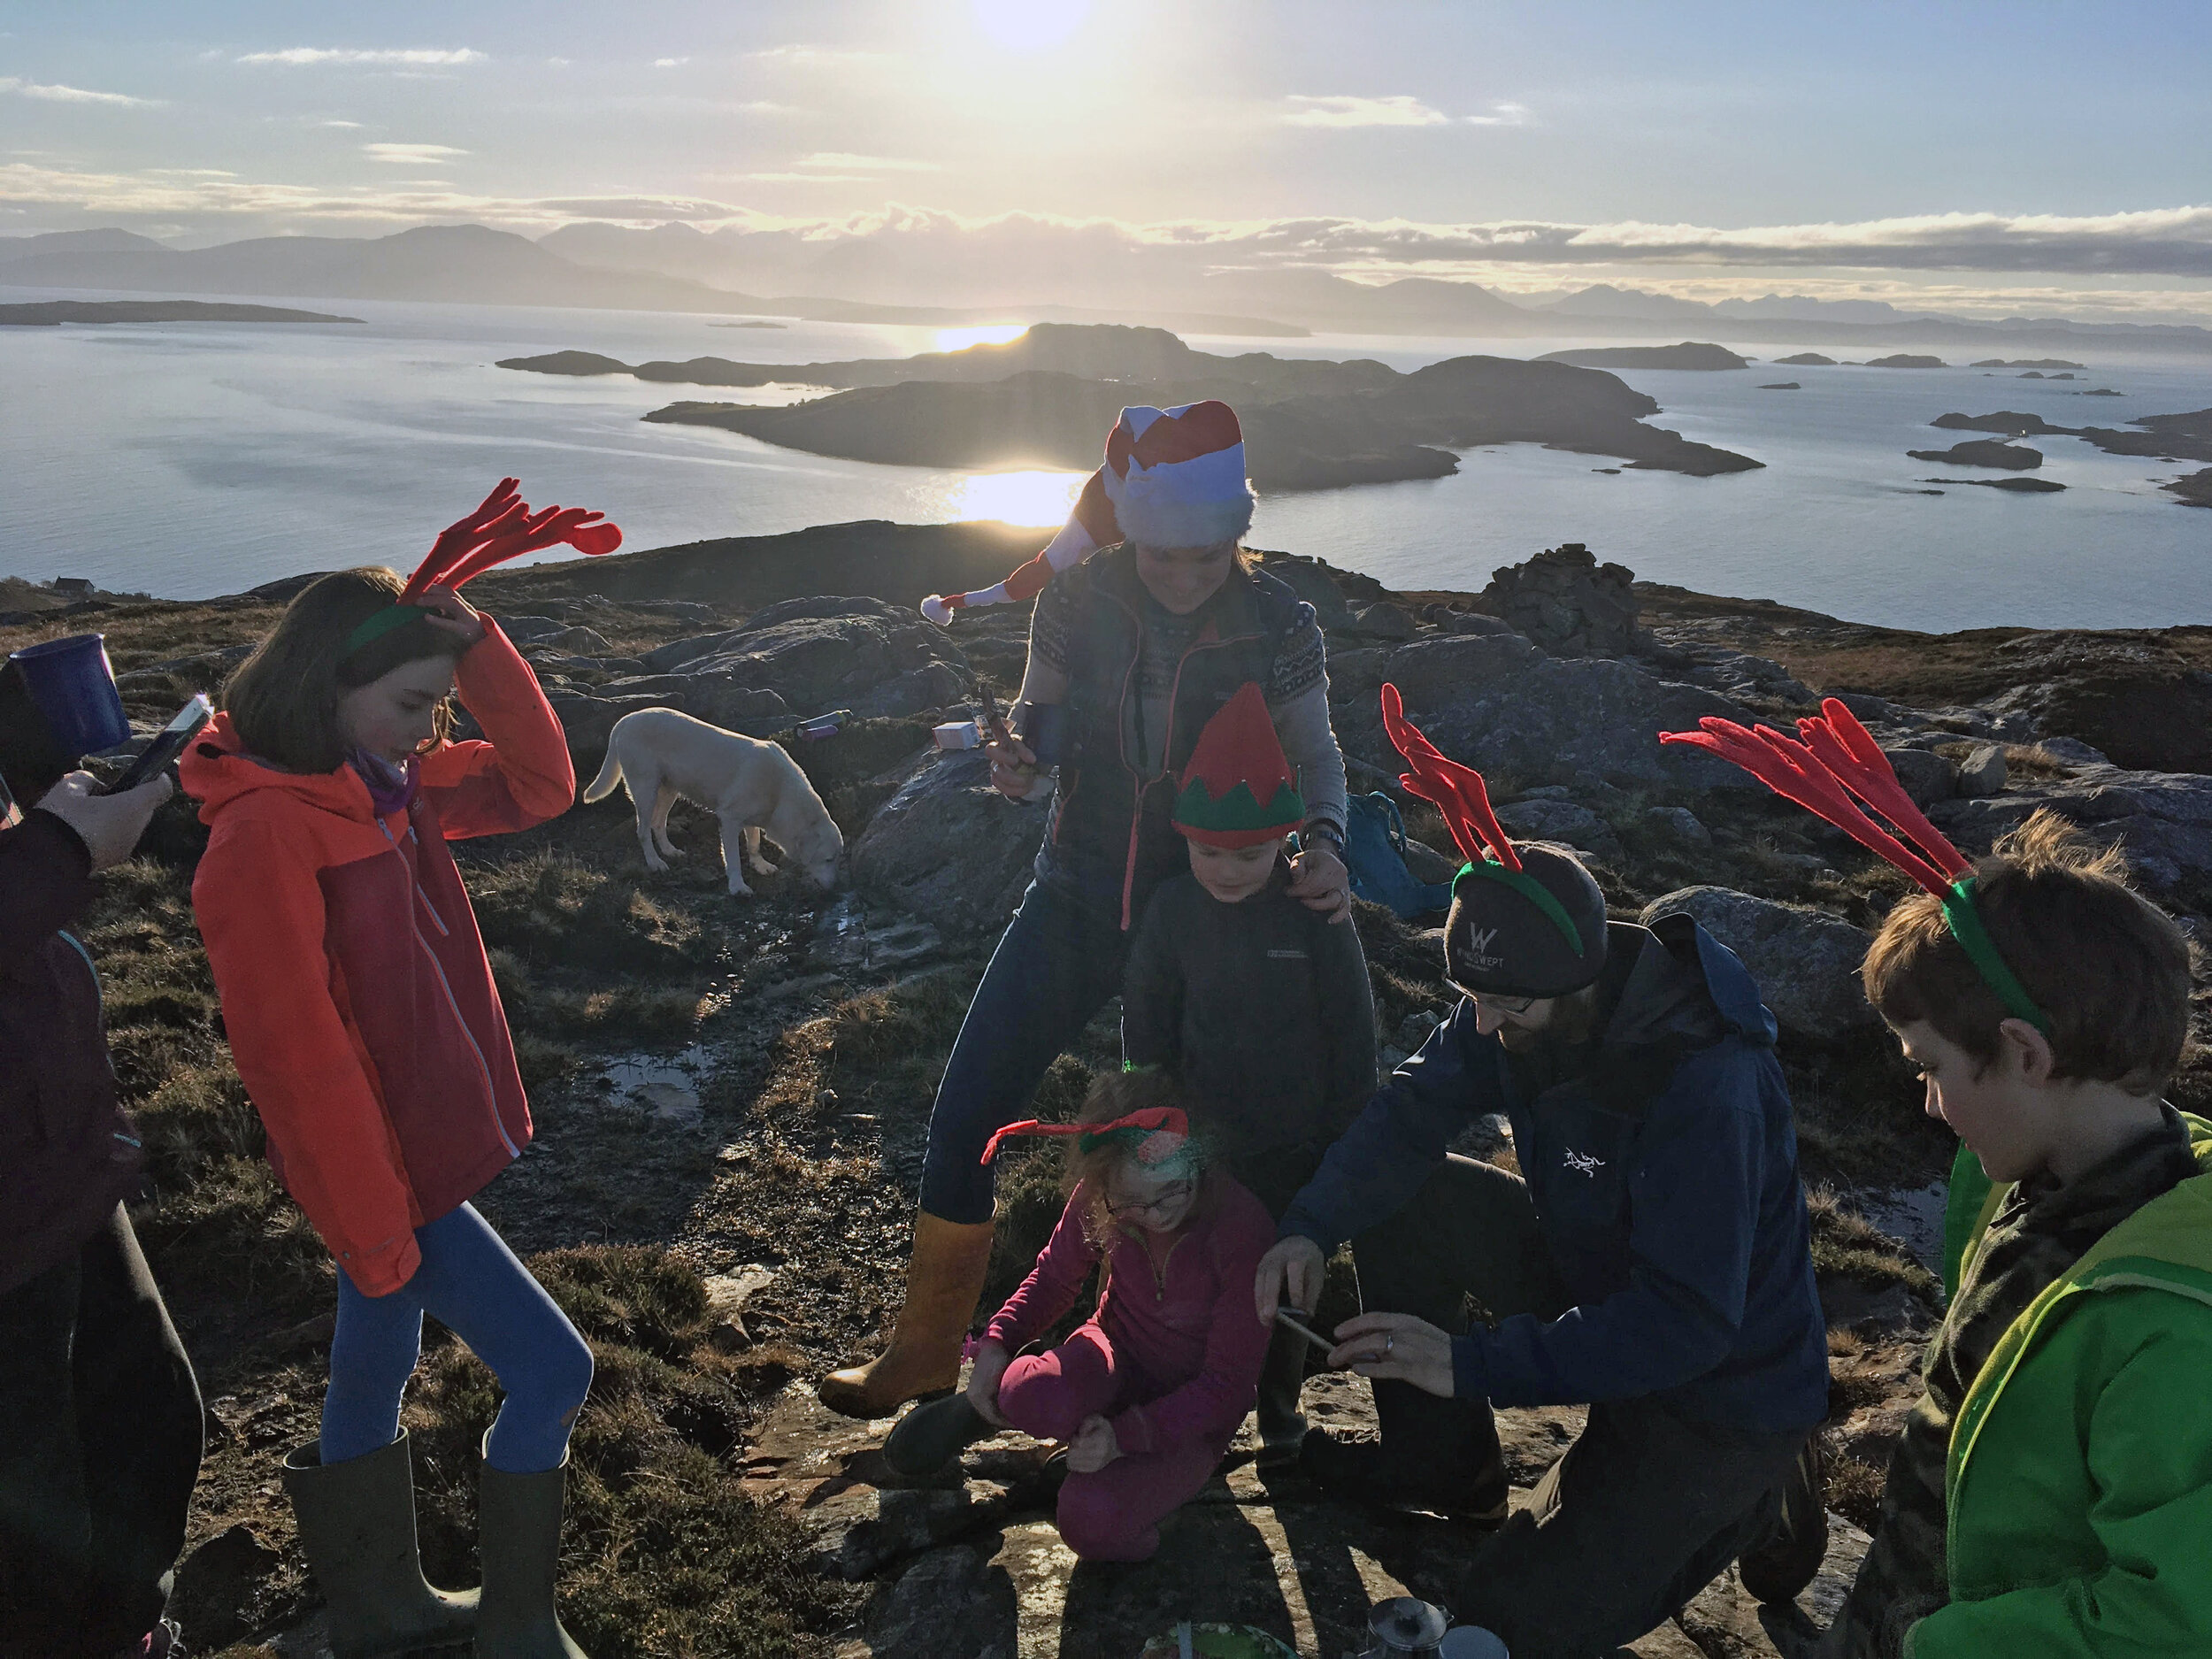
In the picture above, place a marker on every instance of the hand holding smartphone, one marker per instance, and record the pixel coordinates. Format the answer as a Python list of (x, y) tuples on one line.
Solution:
[(169, 743)]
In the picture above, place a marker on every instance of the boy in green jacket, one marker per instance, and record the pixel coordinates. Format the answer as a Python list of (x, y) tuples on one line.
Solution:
[(2052, 1491)]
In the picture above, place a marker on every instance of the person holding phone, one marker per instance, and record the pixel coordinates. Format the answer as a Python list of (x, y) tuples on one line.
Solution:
[(101, 1438)]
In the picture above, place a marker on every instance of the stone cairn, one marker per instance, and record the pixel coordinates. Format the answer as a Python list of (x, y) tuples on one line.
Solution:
[(1567, 604)]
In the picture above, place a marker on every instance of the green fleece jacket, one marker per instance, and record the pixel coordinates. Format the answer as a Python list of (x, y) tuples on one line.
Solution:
[(2078, 1491)]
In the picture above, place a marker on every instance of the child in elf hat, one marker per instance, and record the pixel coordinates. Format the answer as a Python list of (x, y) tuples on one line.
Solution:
[(1261, 1006), (2052, 1491), (365, 1025), (1149, 1390)]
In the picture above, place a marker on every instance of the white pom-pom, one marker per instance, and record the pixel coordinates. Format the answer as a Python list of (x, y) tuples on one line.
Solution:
[(937, 611)]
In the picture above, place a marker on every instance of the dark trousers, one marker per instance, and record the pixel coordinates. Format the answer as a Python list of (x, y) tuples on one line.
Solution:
[(1648, 1505), (99, 1447), (1058, 963)]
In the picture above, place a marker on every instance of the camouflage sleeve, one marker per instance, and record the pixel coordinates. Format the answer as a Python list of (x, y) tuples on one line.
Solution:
[(1902, 1578)]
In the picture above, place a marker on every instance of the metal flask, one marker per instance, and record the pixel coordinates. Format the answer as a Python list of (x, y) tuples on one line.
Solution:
[(1403, 1627)]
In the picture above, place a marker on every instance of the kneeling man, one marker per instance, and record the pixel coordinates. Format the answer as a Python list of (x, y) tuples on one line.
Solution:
[(1651, 1260)]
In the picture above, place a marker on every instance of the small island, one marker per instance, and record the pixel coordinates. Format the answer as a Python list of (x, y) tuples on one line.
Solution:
[(1806, 360), (1906, 360), (1781, 386), (2026, 363), (1688, 355), (52, 313), (1983, 453), (2018, 485)]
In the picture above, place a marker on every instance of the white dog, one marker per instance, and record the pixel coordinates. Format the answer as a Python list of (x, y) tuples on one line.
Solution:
[(752, 785)]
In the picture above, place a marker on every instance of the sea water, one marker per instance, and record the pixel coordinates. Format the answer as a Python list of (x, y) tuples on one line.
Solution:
[(188, 460)]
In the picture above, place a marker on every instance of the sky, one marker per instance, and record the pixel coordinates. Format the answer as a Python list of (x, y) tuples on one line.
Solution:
[(2034, 156)]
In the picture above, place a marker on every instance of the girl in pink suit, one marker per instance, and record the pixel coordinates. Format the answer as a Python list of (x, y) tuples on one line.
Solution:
[(1148, 1393)]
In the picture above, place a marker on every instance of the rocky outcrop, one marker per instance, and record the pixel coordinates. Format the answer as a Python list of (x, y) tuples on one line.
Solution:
[(2017, 486), (2195, 490), (1688, 355), (824, 653), (1906, 360), (1983, 453), (1806, 962), (2162, 820), (2010, 421), (1808, 360), (949, 848), (567, 363), (1497, 703), (1565, 601)]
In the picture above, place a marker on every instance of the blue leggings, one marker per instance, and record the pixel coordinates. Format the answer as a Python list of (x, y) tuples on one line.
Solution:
[(471, 1281), (1056, 965)]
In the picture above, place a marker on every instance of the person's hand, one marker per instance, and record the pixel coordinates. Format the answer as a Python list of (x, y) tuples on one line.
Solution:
[(991, 1360), (1013, 766), (1095, 1446), (1319, 881), (1395, 1346), (1293, 1268), (109, 825), (450, 613)]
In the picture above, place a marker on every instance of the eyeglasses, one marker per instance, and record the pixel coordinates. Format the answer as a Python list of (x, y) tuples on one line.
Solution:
[(1162, 1200), (1498, 1004)]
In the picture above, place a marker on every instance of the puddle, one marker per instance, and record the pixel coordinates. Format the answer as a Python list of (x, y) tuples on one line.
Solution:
[(1912, 1216), (665, 1087)]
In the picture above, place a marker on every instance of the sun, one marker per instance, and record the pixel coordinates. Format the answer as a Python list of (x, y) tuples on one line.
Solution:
[(1029, 25)]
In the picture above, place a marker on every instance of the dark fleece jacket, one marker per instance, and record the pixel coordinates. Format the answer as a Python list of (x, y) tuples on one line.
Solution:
[(1262, 1008), (68, 1154)]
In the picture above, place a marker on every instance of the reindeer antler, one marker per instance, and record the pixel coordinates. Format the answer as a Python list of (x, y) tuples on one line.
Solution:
[(1455, 791), (503, 527)]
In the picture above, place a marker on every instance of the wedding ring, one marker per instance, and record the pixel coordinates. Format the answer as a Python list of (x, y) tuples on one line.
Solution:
[(1389, 1342)]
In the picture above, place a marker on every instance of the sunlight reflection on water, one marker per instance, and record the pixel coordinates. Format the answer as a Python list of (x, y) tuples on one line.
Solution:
[(1044, 499), (981, 334)]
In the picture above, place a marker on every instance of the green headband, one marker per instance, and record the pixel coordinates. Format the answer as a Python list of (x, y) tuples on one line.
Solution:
[(1965, 922), (380, 623), (1529, 888)]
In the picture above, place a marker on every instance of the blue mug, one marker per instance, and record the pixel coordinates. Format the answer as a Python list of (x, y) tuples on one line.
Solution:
[(72, 685)]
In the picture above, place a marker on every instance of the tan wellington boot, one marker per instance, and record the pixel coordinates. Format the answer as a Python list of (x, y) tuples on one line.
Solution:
[(943, 1280), (518, 1536), (357, 1521)]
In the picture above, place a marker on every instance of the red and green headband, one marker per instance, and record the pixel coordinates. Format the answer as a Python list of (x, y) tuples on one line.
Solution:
[(503, 527), (1833, 759), (1156, 1132), (1459, 793)]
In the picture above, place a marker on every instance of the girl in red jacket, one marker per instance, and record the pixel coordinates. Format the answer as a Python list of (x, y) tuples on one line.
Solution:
[(1148, 1392), (364, 1021)]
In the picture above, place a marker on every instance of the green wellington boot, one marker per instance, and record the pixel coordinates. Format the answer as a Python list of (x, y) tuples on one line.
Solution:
[(357, 1521), (518, 1536)]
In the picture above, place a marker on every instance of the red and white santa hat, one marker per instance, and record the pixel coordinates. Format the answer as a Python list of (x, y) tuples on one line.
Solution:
[(1173, 477)]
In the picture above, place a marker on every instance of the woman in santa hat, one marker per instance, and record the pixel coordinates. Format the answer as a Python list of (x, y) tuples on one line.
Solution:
[(1149, 616)]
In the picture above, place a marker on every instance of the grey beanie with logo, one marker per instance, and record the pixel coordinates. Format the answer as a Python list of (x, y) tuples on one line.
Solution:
[(1536, 932)]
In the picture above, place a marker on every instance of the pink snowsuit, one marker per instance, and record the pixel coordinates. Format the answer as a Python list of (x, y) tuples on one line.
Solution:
[(1171, 1357)]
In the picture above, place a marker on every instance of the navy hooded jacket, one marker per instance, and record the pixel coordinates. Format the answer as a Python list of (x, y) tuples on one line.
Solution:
[(1665, 1183)]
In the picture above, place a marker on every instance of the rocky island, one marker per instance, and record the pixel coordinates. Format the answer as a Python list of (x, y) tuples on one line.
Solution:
[(1905, 360), (2026, 363), (50, 313), (1807, 360), (1047, 398), (732, 1097), (2185, 437), (1983, 453), (1688, 355)]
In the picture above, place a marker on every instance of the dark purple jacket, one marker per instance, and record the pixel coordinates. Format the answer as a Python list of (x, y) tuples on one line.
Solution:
[(67, 1154)]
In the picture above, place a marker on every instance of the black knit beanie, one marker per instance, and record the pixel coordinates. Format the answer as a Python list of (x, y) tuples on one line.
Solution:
[(1538, 931)]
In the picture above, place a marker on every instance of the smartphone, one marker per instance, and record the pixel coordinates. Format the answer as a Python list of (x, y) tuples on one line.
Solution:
[(1286, 1316), (167, 745)]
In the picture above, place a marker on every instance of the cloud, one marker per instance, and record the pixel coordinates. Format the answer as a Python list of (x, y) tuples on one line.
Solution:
[(66, 94), (1400, 110), (809, 177), (339, 124), (669, 63), (1500, 115), (410, 155), (414, 56), (872, 164), (814, 57)]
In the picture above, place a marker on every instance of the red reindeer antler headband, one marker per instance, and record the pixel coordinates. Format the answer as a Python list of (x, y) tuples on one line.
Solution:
[(1459, 793), (503, 527), (1833, 759), (1158, 1134)]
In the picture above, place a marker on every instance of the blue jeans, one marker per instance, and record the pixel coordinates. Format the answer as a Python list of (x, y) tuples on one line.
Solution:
[(1058, 963), (474, 1286)]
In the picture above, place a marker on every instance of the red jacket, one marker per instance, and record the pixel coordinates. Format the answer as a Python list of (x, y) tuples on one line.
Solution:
[(359, 1005)]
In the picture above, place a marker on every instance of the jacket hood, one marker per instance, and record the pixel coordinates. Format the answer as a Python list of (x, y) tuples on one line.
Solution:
[(215, 771), (1690, 985)]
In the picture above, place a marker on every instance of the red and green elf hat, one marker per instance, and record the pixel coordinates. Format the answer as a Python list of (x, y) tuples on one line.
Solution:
[(1239, 790)]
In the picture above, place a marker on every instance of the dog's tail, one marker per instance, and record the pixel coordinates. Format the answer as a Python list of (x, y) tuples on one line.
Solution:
[(610, 774)]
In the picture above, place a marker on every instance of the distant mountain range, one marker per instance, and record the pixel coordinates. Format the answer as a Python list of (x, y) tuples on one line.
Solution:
[(679, 268)]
